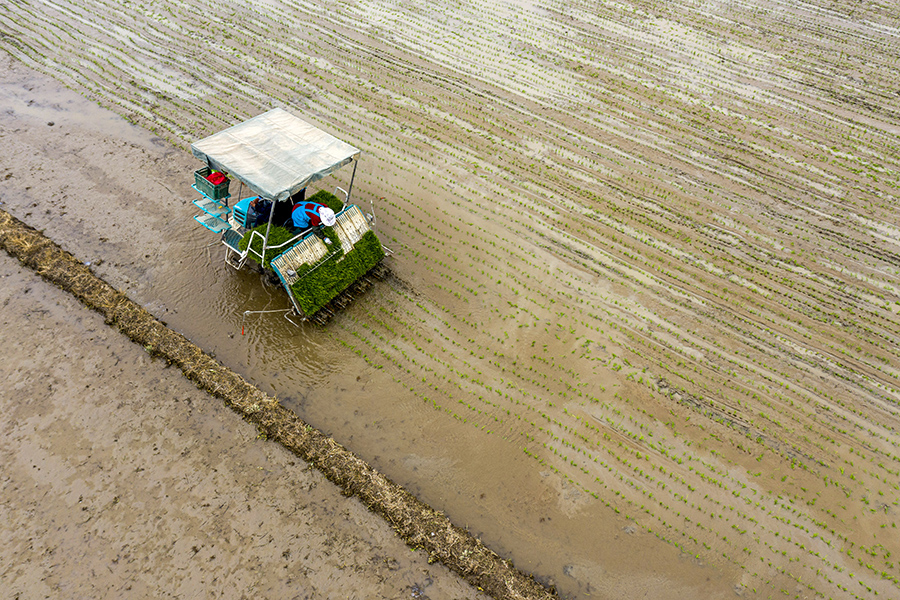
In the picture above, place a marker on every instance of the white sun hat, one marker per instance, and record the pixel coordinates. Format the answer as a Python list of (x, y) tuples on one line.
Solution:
[(327, 216)]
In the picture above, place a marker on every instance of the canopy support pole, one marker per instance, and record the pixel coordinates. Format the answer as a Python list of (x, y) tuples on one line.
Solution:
[(352, 177), (268, 228)]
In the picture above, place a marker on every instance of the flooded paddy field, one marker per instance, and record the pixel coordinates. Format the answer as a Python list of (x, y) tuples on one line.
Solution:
[(121, 479), (641, 334)]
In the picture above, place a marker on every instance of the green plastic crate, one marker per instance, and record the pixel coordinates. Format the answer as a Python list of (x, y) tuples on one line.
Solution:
[(213, 192)]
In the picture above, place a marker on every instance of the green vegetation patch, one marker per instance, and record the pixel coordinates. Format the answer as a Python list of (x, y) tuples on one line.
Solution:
[(328, 199), (277, 236), (319, 283)]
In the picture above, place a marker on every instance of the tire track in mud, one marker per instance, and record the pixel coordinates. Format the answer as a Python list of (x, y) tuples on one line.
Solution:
[(417, 524), (659, 191)]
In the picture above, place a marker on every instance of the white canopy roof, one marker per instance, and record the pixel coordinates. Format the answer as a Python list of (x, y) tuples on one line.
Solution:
[(276, 154)]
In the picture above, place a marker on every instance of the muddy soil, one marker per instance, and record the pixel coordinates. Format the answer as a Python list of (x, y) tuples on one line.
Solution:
[(643, 326), (122, 479)]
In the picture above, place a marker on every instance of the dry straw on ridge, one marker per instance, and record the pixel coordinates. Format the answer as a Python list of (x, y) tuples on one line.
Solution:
[(418, 524)]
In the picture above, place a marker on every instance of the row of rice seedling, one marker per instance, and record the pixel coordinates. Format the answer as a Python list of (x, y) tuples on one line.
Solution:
[(633, 195)]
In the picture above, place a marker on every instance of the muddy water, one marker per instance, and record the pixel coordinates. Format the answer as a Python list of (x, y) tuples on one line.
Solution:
[(122, 479), (645, 298)]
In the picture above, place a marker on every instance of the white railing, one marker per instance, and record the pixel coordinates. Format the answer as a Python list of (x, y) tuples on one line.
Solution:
[(267, 248)]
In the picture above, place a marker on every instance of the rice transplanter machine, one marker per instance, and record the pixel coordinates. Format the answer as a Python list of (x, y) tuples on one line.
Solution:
[(277, 155)]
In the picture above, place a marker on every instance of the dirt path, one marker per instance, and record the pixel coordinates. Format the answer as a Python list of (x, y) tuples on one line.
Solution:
[(121, 479)]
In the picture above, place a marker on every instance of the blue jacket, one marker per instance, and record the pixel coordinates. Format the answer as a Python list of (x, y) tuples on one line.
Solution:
[(306, 214)]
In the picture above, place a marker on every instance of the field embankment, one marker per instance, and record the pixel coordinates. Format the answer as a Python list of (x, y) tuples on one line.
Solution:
[(419, 525)]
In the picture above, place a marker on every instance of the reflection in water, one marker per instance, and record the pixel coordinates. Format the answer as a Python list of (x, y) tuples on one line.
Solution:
[(220, 303)]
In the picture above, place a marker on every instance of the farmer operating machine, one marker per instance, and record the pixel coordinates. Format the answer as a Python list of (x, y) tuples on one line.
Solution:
[(277, 156)]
